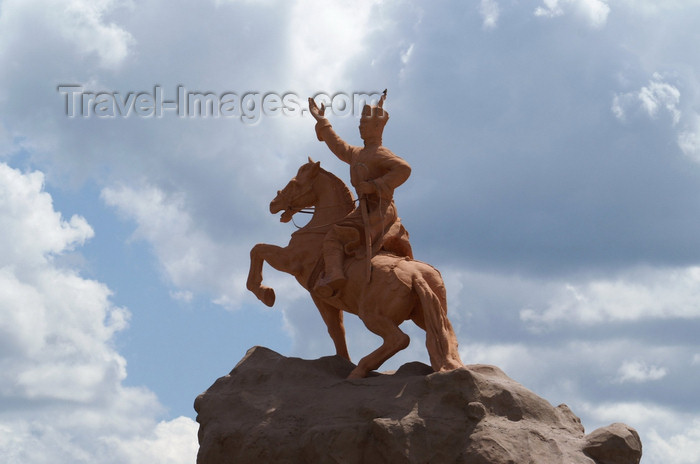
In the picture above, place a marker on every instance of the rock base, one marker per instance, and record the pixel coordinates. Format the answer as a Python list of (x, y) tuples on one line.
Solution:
[(287, 410)]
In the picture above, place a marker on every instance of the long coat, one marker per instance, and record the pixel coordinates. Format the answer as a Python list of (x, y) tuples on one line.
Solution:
[(378, 165)]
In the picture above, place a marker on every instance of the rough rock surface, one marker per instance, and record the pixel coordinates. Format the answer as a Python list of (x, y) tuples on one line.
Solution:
[(287, 410)]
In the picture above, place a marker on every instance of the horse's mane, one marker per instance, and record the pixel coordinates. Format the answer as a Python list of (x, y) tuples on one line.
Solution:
[(339, 185)]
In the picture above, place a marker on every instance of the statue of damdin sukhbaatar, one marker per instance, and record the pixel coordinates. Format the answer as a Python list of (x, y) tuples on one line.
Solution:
[(356, 256), (374, 172)]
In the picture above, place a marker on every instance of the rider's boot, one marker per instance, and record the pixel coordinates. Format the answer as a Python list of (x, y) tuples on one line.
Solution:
[(333, 277)]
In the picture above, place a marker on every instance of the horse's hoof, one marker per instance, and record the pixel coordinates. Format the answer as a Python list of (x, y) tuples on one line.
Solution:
[(268, 296)]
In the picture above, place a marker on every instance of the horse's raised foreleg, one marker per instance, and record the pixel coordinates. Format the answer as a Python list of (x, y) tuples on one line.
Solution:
[(394, 341), (278, 257), (333, 317)]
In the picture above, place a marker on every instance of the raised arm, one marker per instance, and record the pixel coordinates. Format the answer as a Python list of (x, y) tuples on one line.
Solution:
[(325, 133)]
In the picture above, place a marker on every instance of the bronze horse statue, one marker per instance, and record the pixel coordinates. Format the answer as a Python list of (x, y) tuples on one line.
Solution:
[(399, 289)]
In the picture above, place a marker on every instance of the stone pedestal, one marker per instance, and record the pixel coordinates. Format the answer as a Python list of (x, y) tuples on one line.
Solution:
[(273, 409)]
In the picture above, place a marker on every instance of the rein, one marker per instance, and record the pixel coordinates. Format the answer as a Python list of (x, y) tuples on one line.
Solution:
[(312, 210)]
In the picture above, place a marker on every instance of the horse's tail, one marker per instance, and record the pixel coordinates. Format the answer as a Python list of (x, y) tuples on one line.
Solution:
[(440, 338)]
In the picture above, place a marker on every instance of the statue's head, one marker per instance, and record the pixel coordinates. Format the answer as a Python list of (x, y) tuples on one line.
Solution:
[(372, 121)]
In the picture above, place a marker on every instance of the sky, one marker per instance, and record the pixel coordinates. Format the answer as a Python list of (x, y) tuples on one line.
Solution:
[(555, 153)]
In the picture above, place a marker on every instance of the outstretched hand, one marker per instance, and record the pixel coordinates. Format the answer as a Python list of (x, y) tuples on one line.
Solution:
[(316, 112)]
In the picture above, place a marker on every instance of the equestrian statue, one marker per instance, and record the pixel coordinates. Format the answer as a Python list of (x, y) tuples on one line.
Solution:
[(355, 256)]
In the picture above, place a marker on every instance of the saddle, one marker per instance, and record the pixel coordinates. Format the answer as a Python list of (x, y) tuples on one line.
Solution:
[(395, 241)]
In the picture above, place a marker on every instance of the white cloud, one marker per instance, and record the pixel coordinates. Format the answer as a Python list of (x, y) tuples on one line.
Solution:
[(661, 97), (107, 437), (33, 230), (325, 37), (406, 56), (689, 138), (163, 221), (620, 104), (191, 260), (184, 295), (79, 22), (679, 448), (638, 372), (490, 11), (659, 94), (594, 11), (550, 9), (638, 295), (559, 370), (83, 24), (57, 353), (170, 442)]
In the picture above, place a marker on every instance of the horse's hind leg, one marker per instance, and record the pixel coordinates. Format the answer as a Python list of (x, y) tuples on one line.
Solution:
[(394, 341), (333, 317)]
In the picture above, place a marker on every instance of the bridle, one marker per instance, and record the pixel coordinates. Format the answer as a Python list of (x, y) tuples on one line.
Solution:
[(288, 202), (307, 210)]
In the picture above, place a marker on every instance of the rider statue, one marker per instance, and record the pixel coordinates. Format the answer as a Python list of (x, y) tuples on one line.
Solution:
[(374, 172)]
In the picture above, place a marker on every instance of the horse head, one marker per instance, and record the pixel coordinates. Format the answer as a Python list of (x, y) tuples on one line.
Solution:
[(298, 193)]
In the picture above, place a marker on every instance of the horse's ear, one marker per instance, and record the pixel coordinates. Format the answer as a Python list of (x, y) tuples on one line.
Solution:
[(316, 168)]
